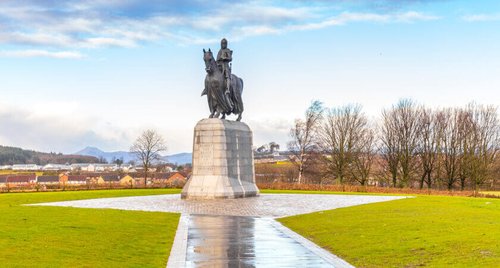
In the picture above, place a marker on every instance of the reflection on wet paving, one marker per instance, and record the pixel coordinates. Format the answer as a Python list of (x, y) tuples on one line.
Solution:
[(234, 241)]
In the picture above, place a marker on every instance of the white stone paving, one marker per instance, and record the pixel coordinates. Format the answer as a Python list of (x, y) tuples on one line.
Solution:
[(266, 205)]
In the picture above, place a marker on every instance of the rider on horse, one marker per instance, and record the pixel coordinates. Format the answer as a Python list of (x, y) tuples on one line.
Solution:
[(224, 57)]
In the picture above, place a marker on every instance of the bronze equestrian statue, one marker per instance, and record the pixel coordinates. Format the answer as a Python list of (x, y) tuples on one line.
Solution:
[(223, 89)]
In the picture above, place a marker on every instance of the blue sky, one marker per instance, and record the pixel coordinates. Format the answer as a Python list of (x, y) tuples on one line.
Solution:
[(78, 73)]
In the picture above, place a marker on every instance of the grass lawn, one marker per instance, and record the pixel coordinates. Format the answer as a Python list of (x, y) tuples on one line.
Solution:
[(434, 231), (78, 237)]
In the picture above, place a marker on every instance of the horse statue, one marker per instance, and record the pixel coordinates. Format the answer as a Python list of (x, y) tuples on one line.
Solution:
[(220, 101)]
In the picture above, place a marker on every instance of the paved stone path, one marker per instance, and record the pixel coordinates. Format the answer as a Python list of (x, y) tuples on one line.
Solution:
[(266, 205), (238, 232)]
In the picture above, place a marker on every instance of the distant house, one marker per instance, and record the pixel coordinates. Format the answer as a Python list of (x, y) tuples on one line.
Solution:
[(74, 179), (83, 167), (26, 179), (26, 167), (95, 167), (105, 167), (127, 168), (3, 180), (177, 179), (111, 179), (127, 180), (56, 167), (160, 178), (46, 180), (173, 178), (5, 167)]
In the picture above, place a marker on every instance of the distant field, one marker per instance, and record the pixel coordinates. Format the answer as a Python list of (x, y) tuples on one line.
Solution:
[(430, 231), (38, 173), (272, 191), (76, 237), (496, 193)]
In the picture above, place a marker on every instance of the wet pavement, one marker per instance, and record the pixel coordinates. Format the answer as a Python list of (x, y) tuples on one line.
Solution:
[(232, 241)]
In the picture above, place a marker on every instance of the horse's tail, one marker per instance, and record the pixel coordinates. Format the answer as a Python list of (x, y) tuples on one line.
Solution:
[(241, 81)]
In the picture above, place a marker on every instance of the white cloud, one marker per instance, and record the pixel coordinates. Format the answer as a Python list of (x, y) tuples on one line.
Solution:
[(276, 130), (42, 53), (341, 19), (413, 16), (57, 127), (96, 42), (481, 17), (97, 24)]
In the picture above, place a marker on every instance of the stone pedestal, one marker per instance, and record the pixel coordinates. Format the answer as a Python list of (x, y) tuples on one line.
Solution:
[(222, 161)]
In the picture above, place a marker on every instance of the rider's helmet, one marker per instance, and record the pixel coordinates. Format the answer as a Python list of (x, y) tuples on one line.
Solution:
[(223, 43)]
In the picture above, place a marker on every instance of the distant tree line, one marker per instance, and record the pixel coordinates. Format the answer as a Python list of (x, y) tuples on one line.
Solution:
[(410, 146), (13, 155)]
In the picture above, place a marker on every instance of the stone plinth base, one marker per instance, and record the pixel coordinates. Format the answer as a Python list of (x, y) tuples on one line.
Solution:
[(222, 161)]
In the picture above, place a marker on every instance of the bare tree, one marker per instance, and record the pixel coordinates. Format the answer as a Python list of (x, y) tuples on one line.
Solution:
[(147, 149), (450, 145), (483, 143), (408, 131), (466, 147), (400, 134), (389, 145), (304, 137), (364, 156), (341, 138), (273, 147), (429, 143)]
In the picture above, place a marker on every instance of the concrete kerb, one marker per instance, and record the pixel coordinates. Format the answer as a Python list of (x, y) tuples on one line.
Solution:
[(178, 252)]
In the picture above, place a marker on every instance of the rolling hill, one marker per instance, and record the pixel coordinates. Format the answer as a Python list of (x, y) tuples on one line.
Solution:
[(180, 159), (13, 155)]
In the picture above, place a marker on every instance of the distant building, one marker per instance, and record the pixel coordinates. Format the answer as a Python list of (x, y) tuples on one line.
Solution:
[(127, 180), (26, 167), (47, 179), (160, 178), (56, 167), (168, 178), (26, 179), (127, 168), (273, 157), (105, 167), (82, 167), (177, 179), (3, 180), (74, 179), (112, 179)]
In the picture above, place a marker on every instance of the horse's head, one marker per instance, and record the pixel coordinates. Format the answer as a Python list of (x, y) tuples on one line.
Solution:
[(208, 57)]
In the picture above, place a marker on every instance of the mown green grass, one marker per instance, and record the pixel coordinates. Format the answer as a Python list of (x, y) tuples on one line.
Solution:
[(76, 237), (426, 231)]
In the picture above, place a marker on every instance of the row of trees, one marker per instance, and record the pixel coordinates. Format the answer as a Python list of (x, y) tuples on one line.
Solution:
[(411, 145)]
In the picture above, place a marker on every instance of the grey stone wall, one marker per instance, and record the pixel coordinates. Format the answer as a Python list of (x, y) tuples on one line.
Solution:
[(223, 164)]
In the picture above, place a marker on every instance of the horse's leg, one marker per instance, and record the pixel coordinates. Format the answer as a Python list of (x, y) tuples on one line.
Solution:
[(217, 113), (223, 116), (239, 117)]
